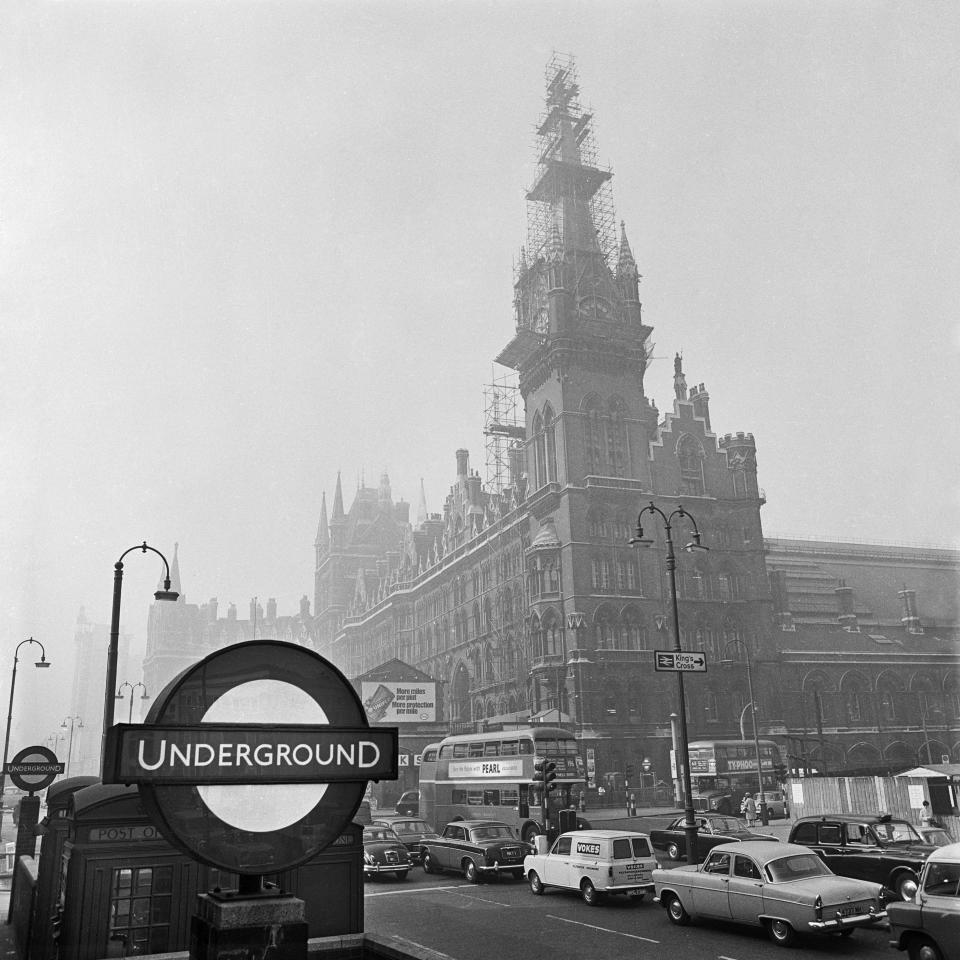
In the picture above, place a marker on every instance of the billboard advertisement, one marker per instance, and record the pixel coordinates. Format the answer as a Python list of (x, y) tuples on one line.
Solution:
[(391, 701)]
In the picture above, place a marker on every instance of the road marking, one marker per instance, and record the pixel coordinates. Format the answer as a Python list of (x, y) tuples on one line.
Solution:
[(392, 893), (619, 933)]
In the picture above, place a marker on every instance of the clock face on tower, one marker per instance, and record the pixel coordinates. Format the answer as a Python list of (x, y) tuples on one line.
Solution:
[(593, 307)]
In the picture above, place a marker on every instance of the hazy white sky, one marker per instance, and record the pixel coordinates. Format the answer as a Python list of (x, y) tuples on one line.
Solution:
[(246, 245)]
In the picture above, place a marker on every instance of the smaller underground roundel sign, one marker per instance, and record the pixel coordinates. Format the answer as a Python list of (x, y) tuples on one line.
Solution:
[(255, 759)]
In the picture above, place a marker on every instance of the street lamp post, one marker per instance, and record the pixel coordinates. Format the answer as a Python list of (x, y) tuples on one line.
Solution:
[(63, 726), (42, 662), (690, 824), (764, 816), (132, 686), (109, 695)]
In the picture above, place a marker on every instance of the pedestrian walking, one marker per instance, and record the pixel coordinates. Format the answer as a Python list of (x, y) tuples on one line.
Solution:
[(751, 811)]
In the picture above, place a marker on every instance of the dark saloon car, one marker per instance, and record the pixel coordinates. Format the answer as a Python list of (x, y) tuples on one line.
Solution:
[(409, 804), (476, 848), (412, 831), (877, 848), (928, 928), (384, 853), (712, 830)]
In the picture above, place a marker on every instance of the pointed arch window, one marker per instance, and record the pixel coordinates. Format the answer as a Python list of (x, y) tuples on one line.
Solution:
[(616, 439), (690, 457), (550, 443), (593, 435)]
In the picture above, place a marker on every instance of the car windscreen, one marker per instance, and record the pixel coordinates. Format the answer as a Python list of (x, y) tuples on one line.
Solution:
[(491, 833), (897, 831), (405, 827), (942, 879), (798, 866), (724, 824), (379, 834)]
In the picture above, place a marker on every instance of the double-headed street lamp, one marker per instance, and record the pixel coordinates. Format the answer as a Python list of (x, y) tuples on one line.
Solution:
[(690, 824), (764, 816), (132, 686), (63, 726), (42, 662), (109, 691)]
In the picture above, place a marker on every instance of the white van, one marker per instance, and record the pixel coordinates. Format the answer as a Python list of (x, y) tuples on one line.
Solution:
[(595, 862)]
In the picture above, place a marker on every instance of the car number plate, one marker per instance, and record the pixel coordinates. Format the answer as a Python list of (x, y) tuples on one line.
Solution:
[(851, 911)]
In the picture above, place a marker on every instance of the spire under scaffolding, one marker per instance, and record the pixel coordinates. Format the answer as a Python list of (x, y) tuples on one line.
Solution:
[(502, 428)]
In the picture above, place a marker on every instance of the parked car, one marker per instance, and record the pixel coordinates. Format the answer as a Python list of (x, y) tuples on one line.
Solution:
[(878, 848), (409, 804), (784, 887), (384, 853), (410, 830), (935, 836), (928, 928), (777, 805), (712, 830), (595, 862), (477, 849)]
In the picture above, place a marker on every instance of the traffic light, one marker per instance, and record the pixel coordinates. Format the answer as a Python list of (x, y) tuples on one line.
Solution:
[(538, 771), (549, 775)]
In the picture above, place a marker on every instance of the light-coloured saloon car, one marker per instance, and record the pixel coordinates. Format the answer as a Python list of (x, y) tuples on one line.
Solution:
[(784, 887)]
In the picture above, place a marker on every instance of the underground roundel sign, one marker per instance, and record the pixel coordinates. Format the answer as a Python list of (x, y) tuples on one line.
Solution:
[(254, 759)]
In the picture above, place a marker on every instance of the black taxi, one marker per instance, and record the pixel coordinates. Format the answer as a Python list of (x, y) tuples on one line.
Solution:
[(880, 848), (476, 848)]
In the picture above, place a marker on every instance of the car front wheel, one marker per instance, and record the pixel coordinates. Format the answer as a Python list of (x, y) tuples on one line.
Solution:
[(673, 851), (920, 948), (906, 887), (536, 884), (677, 912), (781, 933), (428, 864), (470, 872)]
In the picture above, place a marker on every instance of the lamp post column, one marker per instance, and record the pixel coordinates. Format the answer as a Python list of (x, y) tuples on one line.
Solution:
[(764, 816), (689, 824)]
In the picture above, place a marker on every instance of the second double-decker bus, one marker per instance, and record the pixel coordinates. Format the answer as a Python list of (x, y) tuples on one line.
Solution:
[(722, 772), (489, 776)]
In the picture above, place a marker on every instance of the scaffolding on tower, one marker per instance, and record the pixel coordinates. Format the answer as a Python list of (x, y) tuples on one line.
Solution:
[(544, 209), (503, 428)]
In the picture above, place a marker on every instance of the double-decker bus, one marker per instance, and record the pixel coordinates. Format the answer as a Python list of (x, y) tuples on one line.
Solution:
[(481, 776), (722, 772)]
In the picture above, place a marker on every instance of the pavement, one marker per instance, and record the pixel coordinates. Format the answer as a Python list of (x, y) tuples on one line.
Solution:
[(8, 950)]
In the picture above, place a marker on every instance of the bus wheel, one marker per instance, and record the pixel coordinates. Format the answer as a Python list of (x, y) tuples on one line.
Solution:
[(529, 832)]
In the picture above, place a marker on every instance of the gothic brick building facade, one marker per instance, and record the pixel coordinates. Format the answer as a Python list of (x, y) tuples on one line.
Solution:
[(524, 599)]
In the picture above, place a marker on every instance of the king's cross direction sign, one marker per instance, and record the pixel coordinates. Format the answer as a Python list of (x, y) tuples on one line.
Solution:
[(689, 661)]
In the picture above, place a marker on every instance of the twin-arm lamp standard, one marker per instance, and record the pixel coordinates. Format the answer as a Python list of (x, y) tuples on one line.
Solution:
[(110, 688), (42, 662), (690, 824)]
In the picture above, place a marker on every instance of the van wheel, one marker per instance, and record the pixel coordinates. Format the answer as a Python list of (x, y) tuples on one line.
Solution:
[(781, 933), (673, 851), (536, 884), (677, 912), (589, 893)]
